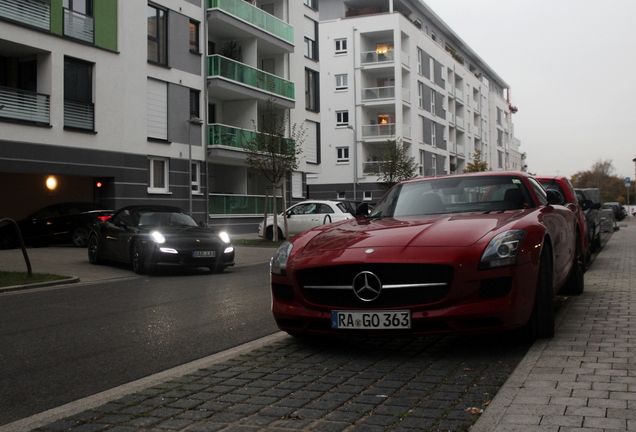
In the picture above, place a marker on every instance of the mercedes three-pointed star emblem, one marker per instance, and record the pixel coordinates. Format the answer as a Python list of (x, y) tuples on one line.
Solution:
[(367, 286)]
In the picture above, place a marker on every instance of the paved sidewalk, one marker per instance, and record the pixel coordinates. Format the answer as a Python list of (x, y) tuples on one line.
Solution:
[(580, 380), (584, 379)]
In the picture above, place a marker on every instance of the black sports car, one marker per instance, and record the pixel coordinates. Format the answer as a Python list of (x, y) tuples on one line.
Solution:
[(146, 236), (57, 223)]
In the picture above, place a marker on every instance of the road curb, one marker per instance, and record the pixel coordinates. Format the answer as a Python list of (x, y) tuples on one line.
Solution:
[(72, 279)]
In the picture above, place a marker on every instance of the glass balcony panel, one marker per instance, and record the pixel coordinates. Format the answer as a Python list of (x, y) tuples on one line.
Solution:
[(247, 205), (378, 131), (235, 71), (219, 134), (79, 26), (24, 105), (255, 16), (79, 115), (373, 168), (35, 13), (376, 93), (370, 57)]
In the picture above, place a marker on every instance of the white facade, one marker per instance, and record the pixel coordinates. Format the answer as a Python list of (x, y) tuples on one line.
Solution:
[(392, 70)]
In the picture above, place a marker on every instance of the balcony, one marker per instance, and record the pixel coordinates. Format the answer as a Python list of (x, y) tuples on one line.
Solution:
[(378, 93), (254, 16), (241, 205), (79, 26), (373, 168), (34, 13), (79, 115), (223, 135), (371, 57), (224, 67), (385, 131), (22, 105)]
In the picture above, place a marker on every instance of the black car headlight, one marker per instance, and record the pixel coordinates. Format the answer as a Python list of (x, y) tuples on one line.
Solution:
[(225, 238), (278, 264), (502, 250)]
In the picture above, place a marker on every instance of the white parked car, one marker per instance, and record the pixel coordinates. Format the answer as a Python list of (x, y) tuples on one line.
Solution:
[(306, 215)]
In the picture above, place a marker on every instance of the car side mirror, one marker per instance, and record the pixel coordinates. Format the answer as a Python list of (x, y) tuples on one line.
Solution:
[(362, 210), (555, 197), (586, 204)]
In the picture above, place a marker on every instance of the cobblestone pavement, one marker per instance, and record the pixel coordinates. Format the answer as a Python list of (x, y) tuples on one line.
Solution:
[(432, 383)]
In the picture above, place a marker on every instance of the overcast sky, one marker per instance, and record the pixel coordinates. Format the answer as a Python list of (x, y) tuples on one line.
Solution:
[(571, 68)]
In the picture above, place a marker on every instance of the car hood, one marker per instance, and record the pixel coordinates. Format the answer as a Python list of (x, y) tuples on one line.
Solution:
[(429, 231), (181, 231)]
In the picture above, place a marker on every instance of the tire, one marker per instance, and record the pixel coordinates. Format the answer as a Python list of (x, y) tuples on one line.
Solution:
[(138, 257), (80, 236), (269, 233), (541, 323), (576, 281), (93, 249)]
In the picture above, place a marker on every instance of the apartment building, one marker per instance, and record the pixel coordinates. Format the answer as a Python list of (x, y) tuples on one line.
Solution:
[(129, 102), (393, 70)]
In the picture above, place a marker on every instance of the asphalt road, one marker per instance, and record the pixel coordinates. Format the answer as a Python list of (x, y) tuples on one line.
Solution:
[(63, 343)]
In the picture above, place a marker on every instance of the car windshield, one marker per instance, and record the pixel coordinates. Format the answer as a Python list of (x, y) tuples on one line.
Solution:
[(455, 195), (159, 219)]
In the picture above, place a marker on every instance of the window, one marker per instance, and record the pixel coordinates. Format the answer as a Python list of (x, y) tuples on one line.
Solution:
[(367, 196), (433, 164), (196, 176), (342, 118), (342, 154), (78, 94), (157, 35), (85, 7), (433, 134), (157, 109), (341, 195), (311, 46), (312, 95), (157, 175), (194, 103), (433, 102), (342, 82), (341, 46), (194, 36), (311, 3), (420, 60), (420, 95), (311, 146)]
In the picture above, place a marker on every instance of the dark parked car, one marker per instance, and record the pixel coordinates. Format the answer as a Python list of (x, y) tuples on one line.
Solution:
[(468, 253), (617, 208), (593, 218), (57, 223), (146, 236)]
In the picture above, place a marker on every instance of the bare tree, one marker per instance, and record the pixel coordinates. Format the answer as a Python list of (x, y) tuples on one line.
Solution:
[(273, 154)]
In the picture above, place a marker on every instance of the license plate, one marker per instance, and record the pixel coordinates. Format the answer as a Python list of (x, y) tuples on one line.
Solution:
[(370, 320), (203, 254)]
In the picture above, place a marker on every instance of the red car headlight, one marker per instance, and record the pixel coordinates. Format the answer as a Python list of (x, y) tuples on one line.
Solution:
[(278, 264), (502, 250)]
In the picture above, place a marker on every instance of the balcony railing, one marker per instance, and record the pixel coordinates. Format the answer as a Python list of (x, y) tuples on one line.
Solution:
[(370, 57), (35, 13), (242, 205), (79, 26), (79, 115), (239, 72), (24, 106), (373, 168), (255, 16), (223, 135), (378, 131), (376, 93)]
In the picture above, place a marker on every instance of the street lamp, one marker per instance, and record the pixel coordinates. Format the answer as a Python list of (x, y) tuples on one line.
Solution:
[(193, 121)]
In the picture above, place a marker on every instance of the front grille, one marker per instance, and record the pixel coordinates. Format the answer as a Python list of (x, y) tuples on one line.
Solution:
[(332, 286)]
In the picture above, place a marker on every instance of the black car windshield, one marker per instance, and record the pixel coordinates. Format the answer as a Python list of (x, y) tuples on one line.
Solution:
[(160, 219), (455, 195)]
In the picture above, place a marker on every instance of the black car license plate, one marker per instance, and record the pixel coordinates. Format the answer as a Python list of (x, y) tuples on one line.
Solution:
[(204, 254)]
